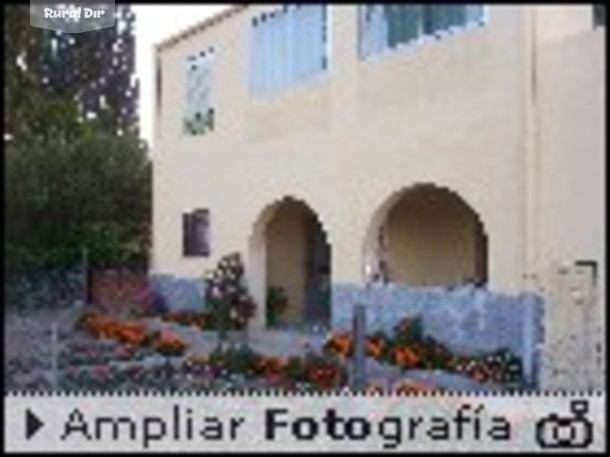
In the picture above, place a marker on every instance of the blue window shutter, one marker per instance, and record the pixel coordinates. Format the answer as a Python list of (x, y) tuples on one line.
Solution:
[(288, 45), (474, 13)]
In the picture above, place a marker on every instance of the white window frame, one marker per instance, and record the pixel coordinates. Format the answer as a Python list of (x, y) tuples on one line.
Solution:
[(208, 54), (421, 39), (257, 88)]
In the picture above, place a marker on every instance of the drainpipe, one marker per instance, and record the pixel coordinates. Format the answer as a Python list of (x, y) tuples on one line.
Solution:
[(532, 160)]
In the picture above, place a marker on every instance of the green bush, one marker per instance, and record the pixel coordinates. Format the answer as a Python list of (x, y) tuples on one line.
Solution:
[(227, 296), (277, 302)]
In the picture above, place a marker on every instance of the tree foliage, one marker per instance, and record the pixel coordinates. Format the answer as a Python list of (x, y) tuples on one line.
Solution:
[(70, 182), (93, 192)]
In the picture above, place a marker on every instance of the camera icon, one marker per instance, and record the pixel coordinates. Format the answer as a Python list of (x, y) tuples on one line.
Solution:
[(575, 432)]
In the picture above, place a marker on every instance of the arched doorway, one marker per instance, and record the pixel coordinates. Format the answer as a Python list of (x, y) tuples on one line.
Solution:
[(427, 236), (291, 254)]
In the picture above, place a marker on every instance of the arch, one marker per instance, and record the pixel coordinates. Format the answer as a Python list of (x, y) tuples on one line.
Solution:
[(425, 235), (289, 247)]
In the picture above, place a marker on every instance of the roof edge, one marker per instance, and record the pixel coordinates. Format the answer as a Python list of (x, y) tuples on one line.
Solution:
[(198, 27)]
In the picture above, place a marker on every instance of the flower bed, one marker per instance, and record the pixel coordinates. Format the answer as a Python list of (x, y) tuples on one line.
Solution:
[(319, 372), (132, 334), (242, 367), (232, 368), (408, 349), (202, 320), (167, 343), (112, 377), (119, 363), (102, 352), (413, 387)]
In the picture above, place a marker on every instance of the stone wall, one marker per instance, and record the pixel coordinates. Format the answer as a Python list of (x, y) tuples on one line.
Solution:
[(468, 320)]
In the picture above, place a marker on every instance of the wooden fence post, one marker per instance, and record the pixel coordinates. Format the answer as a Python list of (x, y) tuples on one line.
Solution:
[(85, 272), (359, 356), (54, 356)]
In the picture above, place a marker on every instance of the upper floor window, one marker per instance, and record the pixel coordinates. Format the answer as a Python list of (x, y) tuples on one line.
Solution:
[(196, 233), (599, 15), (199, 113), (384, 26), (287, 46)]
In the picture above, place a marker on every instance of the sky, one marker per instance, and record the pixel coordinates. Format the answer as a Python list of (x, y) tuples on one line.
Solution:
[(154, 23)]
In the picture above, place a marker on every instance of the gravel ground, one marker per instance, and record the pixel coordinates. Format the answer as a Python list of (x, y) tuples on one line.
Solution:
[(27, 348)]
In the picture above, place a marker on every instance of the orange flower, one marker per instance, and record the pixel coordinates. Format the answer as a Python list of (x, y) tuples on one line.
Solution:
[(478, 375), (398, 357), (270, 365), (324, 377), (374, 348), (374, 389), (168, 337), (405, 357), (133, 335), (341, 343), (410, 387), (105, 327), (169, 342)]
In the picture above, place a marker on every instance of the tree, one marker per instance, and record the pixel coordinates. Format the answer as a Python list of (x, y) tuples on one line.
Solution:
[(91, 74), (93, 192), (72, 180)]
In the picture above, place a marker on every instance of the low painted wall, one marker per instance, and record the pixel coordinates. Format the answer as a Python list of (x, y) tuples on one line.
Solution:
[(179, 293), (468, 320)]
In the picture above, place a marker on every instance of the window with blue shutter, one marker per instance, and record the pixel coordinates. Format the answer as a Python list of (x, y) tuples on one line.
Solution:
[(387, 26), (287, 46)]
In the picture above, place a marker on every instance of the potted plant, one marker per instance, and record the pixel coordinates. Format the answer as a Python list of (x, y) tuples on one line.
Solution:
[(277, 302)]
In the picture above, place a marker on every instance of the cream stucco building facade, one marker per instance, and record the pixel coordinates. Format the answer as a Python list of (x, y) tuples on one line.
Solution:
[(473, 155)]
